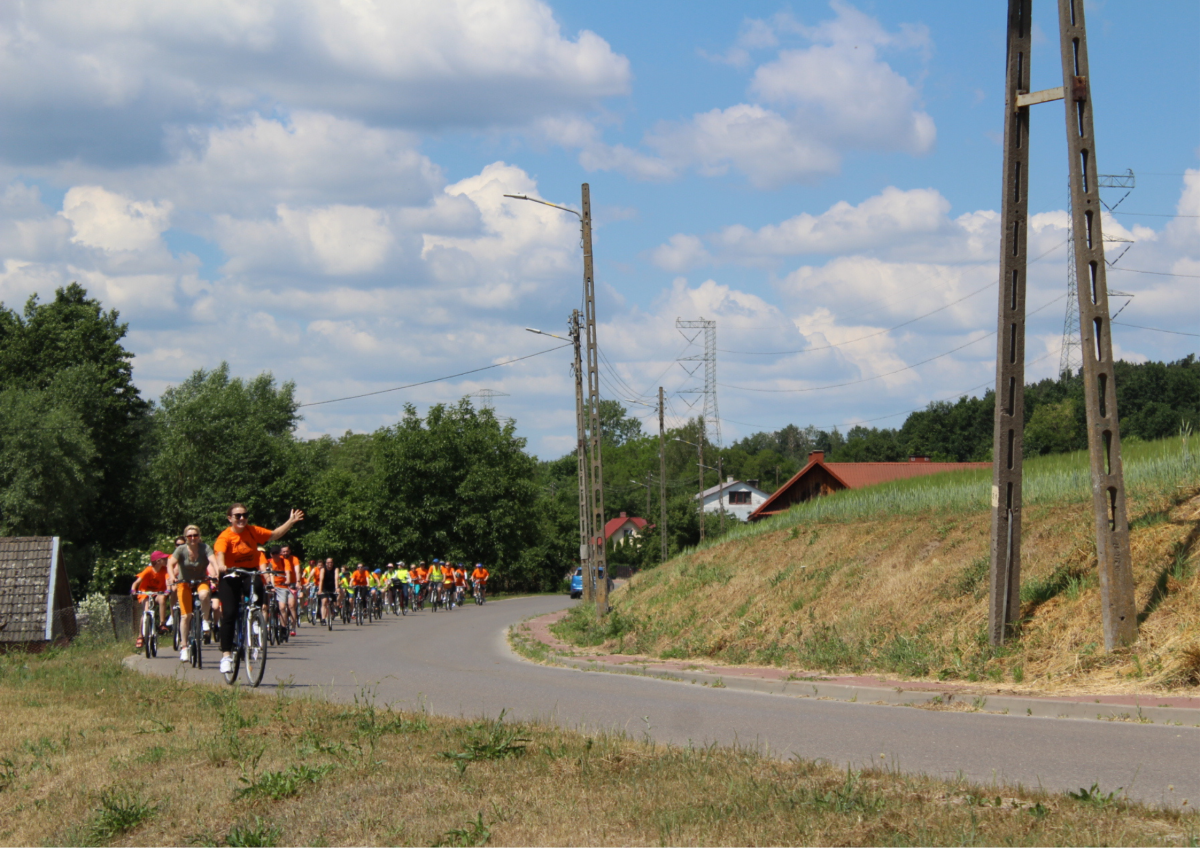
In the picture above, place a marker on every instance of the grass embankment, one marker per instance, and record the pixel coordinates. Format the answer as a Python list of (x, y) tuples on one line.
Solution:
[(894, 579), (92, 753)]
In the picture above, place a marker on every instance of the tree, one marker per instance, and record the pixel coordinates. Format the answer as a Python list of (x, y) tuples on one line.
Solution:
[(218, 440), (72, 348)]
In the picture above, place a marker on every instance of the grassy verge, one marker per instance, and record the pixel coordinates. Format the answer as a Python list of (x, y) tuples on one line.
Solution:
[(894, 579), (94, 754)]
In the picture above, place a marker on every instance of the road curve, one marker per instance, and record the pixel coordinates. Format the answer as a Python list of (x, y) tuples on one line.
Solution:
[(458, 663)]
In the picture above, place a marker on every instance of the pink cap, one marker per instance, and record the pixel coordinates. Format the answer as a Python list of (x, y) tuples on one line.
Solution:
[(157, 555)]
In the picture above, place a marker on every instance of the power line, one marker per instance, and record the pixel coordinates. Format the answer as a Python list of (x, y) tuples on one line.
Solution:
[(434, 380), (1155, 214), (1157, 329), (1155, 273)]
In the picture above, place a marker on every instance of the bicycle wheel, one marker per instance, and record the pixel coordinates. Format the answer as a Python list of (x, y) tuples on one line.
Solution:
[(358, 615), (256, 647), (147, 632), (196, 639), (176, 630)]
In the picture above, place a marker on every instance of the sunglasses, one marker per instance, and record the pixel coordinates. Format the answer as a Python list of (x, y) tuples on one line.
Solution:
[(242, 515), (192, 536)]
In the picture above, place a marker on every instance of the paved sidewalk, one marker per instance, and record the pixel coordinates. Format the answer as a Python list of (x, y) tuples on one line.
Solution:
[(1144, 708)]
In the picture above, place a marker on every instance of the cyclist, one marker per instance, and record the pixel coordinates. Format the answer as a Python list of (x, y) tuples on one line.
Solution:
[(360, 582), (325, 578), (437, 579), (479, 579), (192, 562), (237, 547), (284, 584), (460, 583), (401, 576), (152, 580), (420, 578)]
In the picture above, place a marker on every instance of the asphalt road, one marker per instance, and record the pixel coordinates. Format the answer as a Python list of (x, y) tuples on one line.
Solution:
[(458, 663)]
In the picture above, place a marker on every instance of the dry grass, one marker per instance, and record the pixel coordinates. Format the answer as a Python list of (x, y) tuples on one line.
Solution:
[(96, 754), (907, 595)]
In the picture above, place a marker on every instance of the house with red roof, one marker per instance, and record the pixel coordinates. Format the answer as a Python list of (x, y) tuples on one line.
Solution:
[(617, 530), (819, 477)]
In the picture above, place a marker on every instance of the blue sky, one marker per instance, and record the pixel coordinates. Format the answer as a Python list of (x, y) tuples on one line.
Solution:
[(315, 189)]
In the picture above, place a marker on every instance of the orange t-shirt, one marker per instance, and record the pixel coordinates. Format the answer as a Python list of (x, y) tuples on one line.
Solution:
[(152, 579), (241, 549), (479, 574), (421, 575), (288, 566), (460, 577), (359, 577)]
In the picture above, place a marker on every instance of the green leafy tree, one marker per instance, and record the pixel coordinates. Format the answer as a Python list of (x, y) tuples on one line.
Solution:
[(72, 348), (220, 439)]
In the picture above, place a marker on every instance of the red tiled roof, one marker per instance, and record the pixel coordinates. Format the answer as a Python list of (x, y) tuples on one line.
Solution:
[(614, 524), (858, 475)]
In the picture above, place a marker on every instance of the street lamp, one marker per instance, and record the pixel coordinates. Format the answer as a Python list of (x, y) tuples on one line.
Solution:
[(596, 479)]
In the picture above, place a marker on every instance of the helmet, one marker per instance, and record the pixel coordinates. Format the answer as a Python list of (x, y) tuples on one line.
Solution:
[(379, 571)]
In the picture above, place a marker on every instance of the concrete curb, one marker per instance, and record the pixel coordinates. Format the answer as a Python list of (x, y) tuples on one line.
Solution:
[(947, 699)]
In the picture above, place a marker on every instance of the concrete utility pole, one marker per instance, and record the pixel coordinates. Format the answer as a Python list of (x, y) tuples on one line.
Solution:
[(585, 516), (662, 477), (721, 491), (1113, 556), (596, 496), (1108, 489)]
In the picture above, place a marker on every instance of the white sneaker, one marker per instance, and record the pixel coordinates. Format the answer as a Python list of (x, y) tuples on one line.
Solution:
[(170, 620), (204, 624), (256, 628), (183, 655), (226, 665)]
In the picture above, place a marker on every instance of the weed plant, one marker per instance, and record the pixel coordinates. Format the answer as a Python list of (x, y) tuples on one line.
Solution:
[(318, 781)]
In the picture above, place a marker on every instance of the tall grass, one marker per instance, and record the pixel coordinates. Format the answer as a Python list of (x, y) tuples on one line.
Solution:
[(1150, 467)]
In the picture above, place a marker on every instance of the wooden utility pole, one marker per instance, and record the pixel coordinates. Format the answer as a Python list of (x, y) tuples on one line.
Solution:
[(585, 532), (662, 477), (1118, 613), (1104, 446), (596, 495)]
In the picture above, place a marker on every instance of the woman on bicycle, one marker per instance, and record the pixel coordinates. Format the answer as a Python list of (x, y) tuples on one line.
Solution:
[(191, 563), (326, 579), (237, 547), (153, 580)]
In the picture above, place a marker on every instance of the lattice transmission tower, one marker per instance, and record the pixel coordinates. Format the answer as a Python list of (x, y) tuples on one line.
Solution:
[(1071, 358), (710, 419)]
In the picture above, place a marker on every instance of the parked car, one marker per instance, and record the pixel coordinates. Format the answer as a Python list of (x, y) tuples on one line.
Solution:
[(577, 582)]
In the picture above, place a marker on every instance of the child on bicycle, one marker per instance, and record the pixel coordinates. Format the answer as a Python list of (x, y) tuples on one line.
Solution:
[(150, 581)]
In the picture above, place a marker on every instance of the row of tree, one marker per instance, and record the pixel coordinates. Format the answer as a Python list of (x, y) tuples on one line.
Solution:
[(83, 456)]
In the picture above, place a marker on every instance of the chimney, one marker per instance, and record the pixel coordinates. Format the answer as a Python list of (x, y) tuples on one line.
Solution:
[(919, 458), (623, 515), (816, 456), (729, 478)]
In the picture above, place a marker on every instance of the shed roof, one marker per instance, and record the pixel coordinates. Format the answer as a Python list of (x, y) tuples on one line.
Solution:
[(858, 475), (34, 595)]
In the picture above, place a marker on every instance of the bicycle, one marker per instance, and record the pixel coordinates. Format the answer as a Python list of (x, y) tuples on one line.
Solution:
[(332, 606), (149, 624), (478, 592), (195, 635), (175, 617), (313, 604), (377, 605), (249, 635), (358, 609)]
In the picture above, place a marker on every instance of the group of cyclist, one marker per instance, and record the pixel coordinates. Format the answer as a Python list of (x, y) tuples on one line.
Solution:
[(245, 552)]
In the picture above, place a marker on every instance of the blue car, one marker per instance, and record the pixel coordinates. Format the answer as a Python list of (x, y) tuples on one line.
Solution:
[(577, 582)]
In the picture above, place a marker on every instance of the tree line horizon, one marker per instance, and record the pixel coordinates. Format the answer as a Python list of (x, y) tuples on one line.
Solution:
[(85, 457)]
